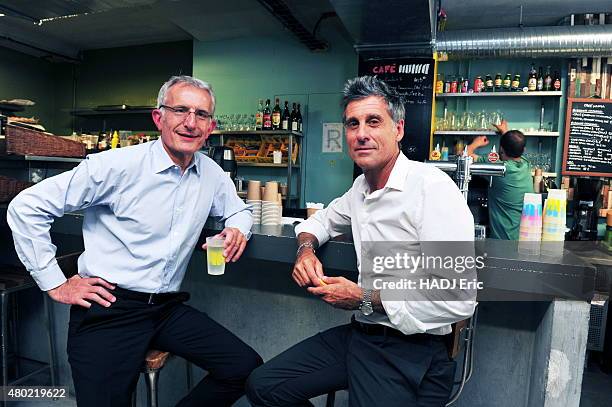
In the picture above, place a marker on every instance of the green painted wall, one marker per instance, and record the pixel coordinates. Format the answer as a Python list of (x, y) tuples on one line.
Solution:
[(244, 70), (48, 84)]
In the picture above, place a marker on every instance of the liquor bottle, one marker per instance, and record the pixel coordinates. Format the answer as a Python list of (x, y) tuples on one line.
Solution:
[(453, 88), (101, 144), (488, 84), (285, 117), (267, 116), (465, 85), (293, 118), (298, 119), (498, 82), (440, 83), (478, 84), (507, 84), (557, 82), (540, 81), (548, 82), (259, 116), (532, 82), (516, 83), (276, 116)]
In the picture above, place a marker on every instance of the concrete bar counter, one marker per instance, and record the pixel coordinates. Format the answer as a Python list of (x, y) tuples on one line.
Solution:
[(527, 353)]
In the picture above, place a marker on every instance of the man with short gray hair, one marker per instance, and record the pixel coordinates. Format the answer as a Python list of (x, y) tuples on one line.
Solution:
[(393, 352), (144, 208)]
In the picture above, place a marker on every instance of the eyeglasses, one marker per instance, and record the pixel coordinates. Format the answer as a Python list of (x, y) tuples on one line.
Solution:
[(182, 112)]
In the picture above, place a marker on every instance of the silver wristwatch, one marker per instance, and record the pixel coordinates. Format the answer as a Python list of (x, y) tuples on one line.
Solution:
[(366, 303)]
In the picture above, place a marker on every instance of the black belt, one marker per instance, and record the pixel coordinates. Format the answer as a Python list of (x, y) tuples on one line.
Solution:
[(382, 330), (150, 298)]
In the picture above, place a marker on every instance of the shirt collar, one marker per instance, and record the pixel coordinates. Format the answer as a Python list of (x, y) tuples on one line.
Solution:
[(162, 161), (397, 178)]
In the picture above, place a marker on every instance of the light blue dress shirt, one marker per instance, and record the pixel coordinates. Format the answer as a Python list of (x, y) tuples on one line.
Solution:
[(142, 217)]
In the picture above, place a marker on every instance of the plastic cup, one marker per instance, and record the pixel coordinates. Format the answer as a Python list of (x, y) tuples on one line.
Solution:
[(214, 255)]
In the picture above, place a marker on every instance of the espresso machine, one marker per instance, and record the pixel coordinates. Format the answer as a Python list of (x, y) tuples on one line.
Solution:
[(462, 170), (586, 208), (225, 158)]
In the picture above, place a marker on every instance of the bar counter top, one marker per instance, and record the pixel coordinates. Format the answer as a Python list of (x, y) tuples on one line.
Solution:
[(508, 274)]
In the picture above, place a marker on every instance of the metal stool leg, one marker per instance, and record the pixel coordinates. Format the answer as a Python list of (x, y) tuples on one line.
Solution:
[(189, 375), (151, 378), (50, 337)]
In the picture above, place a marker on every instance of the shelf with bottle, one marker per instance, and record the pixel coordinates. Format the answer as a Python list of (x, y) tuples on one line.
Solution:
[(500, 94), (538, 84), (531, 133)]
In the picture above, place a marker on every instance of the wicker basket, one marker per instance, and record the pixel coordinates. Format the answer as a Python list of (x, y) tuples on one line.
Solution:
[(10, 187), (22, 141)]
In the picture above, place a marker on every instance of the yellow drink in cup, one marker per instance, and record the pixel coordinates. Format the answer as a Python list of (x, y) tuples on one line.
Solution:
[(214, 255)]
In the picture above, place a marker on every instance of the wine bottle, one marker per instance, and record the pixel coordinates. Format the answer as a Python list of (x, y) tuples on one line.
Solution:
[(276, 116), (285, 117), (259, 116), (267, 116)]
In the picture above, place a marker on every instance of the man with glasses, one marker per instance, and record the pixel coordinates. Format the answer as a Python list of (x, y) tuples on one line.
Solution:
[(144, 208)]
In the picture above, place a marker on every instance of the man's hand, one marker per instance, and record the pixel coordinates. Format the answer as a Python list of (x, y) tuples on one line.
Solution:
[(77, 290), (308, 270), (502, 127), (234, 245), (479, 141), (339, 292)]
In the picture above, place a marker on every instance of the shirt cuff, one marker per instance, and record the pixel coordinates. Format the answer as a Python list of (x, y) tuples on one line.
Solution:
[(49, 278), (241, 221), (401, 318), (313, 227)]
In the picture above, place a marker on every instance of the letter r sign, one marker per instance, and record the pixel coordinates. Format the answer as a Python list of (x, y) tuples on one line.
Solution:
[(332, 138)]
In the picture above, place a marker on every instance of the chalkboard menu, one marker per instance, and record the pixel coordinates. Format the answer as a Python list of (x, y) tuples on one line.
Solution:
[(413, 78), (587, 147)]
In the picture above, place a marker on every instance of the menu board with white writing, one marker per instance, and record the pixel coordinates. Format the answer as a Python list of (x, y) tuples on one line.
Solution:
[(413, 78), (587, 147)]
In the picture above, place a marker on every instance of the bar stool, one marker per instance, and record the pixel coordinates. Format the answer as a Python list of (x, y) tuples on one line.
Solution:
[(13, 280), (155, 360), (462, 337)]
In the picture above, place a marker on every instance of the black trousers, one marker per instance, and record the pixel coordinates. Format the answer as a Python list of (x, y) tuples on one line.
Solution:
[(107, 347), (377, 370)]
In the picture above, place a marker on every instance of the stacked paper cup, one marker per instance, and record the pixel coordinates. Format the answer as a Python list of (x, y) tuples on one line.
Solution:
[(553, 223), (531, 218), (254, 199), (271, 209), (530, 231)]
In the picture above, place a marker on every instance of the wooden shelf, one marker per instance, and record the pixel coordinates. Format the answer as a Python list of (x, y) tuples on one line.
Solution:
[(255, 133), (271, 165), (112, 112), (499, 94)]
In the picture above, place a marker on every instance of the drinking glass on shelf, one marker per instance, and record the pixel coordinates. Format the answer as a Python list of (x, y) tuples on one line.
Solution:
[(451, 121)]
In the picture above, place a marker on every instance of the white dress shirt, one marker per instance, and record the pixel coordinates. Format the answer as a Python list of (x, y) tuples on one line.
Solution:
[(142, 216), (418, 203)]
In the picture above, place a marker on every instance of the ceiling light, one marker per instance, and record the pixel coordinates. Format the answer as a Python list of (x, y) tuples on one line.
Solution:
[(1, 15)]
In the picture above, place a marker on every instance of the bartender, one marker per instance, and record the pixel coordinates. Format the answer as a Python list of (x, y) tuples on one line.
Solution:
[(506, 193)]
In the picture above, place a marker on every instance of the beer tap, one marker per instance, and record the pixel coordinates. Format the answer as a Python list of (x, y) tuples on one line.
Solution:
[(465, 166)]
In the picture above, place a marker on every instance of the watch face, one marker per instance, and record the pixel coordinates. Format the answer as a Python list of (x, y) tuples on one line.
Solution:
[(366, 309)]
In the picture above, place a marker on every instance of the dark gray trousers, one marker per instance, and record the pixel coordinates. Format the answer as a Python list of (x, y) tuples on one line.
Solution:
[(377, 370)]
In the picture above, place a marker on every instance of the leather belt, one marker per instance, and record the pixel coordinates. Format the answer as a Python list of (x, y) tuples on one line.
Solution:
[(150, 298), (382, 330)]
